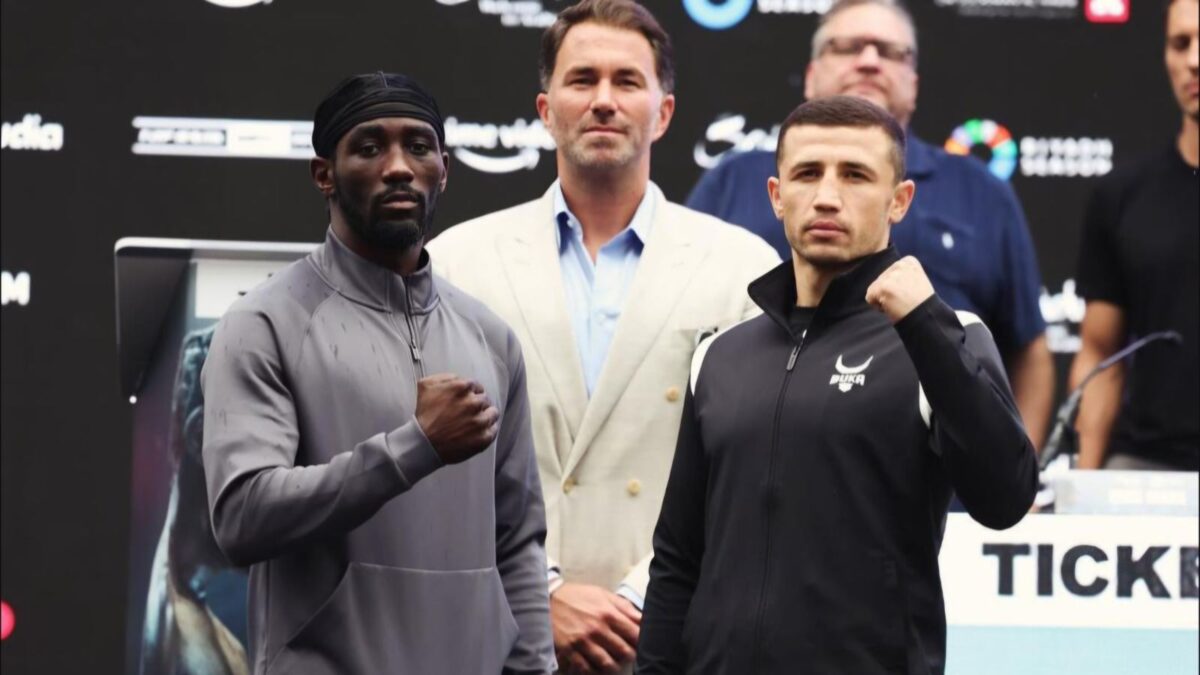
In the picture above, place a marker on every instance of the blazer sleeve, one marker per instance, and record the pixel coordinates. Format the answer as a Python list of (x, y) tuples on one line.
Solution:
[(678, 551), (261, 503), (638, 579), (521, 528), (975, 425)]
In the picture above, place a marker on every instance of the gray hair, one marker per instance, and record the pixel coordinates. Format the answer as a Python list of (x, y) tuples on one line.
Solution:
[(839, 6)]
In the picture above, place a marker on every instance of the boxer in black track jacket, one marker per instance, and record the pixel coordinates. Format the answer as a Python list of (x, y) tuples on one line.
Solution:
[(821, 441)]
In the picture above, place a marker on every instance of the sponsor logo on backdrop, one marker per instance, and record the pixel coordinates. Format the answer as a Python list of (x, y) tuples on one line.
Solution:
[(718, 14), (1036, 156), (1063, 312), (512, 13), (31, 133), (1024, 9), (793, 6), (8, 620), (237, 4), (1069, 157), (1106, 11), (14, 288), (205, 137), (486, 147), (728, 133), (995, 136), (724, 14), (498, 148)]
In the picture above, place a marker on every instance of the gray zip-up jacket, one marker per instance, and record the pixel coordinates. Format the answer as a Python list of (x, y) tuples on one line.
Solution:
[(367, 554)]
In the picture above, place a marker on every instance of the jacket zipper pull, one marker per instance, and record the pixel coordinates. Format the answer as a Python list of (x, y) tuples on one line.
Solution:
[(413, 345), (792, 358)]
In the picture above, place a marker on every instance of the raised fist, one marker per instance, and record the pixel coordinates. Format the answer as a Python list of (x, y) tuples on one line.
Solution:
[(900, 288)]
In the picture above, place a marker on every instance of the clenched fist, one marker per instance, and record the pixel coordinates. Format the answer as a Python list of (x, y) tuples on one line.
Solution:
[(900, 289), (456, 416)]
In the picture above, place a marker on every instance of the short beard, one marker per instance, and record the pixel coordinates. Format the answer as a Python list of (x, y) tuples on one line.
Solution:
[(586, 160), (598, 160), (832, 263), (392, 235)]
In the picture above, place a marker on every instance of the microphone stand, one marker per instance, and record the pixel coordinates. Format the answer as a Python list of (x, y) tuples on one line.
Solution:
[(1065, 417)]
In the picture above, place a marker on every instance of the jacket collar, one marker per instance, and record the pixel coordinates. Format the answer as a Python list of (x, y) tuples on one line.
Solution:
[(775, 291), (366, 283), (920, 158)]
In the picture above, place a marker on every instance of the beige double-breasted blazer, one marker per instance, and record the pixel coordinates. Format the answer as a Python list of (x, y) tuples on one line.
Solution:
[(604, 462)]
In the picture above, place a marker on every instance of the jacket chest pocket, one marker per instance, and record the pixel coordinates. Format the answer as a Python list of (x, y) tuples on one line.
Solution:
[(948, 249)]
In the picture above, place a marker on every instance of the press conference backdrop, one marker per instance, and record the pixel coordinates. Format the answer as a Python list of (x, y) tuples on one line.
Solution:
[(190, 119)]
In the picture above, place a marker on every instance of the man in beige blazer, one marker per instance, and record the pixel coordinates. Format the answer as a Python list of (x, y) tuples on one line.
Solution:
[(609, 287)]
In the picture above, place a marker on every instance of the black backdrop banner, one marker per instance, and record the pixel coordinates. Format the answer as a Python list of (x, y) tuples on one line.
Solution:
[(190, 119)]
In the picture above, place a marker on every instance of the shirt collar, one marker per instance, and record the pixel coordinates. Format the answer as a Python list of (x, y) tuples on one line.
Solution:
[(639, 226)]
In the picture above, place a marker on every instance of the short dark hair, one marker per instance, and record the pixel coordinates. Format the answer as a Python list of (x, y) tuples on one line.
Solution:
[(617, 14), (1166, 14), (839, 6), (846, 111)]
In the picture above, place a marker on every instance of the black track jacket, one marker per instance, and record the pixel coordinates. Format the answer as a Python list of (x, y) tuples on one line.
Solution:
[(807, 499)]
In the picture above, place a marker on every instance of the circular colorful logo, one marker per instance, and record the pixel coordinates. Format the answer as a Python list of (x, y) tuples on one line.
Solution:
[(717, 15), (995, 136)]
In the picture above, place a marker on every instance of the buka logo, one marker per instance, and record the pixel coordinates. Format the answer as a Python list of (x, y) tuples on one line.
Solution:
[(845, 377)]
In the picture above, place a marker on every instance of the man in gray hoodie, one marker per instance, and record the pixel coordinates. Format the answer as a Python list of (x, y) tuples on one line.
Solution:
[(366, 433)]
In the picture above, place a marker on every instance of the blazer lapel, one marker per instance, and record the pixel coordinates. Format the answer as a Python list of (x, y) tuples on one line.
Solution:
[(669, 261), (530, 261)]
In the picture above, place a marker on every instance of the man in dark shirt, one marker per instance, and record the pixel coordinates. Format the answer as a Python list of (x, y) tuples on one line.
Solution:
[(966, 226), (1138, 271)]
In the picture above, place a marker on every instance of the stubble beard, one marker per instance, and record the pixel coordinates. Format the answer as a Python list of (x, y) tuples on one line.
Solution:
[(819, 256), (599, 156), (395, 234), (824, 259), (833, 258)]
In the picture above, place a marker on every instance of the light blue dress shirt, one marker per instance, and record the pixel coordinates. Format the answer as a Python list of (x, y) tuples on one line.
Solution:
[(596, 292)]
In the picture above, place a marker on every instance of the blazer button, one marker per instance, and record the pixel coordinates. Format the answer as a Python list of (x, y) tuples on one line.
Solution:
[(672, 394), (634, 487), (568, 485)]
